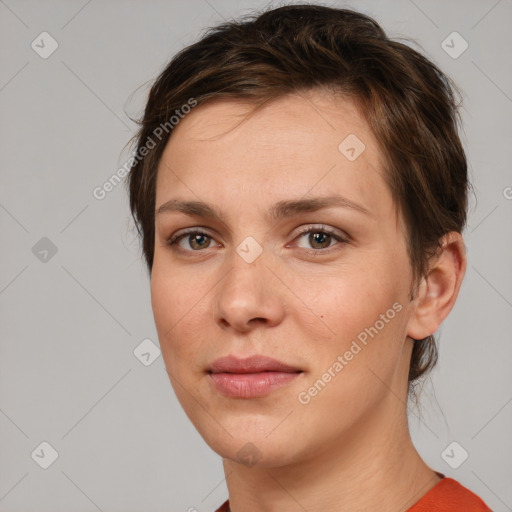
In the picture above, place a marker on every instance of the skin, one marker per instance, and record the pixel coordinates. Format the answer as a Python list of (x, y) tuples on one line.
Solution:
[(349, 448)]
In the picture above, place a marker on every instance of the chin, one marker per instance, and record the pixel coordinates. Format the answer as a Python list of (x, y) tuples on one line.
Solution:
[(251, 448), (259, 454)]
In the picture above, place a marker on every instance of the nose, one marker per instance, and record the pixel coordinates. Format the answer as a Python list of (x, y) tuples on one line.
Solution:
[(249, 296)]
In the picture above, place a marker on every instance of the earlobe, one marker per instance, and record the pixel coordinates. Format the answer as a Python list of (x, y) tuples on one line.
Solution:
[(438, 290)]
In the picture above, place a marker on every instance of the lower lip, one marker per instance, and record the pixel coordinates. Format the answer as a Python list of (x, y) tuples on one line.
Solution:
[(250, 385)]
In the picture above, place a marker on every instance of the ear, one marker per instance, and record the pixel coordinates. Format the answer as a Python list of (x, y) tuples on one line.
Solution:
[(438, 290)]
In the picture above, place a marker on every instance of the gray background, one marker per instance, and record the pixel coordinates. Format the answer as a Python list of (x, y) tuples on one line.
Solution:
[(70, 321)]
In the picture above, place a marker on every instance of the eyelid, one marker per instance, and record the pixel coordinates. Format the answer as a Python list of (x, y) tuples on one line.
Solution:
[(200, 230), (340, 236), (326, 229)]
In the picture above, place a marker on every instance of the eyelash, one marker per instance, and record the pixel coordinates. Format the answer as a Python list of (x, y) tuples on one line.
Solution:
[(175, 239)]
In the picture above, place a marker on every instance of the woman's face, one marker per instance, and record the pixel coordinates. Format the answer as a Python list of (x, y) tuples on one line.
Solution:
[(332, 303)]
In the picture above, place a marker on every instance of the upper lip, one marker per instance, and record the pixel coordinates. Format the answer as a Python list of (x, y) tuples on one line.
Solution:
[(253, 364)]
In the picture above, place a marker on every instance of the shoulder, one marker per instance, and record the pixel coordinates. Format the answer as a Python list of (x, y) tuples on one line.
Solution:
[(447, 496), (224, 507), (450, 496)]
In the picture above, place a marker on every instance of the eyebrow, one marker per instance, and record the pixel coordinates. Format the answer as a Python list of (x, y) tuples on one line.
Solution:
[(278, 211)]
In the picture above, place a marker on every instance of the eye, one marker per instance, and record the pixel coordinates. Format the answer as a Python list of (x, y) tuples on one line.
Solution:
[(195, 239), (320, 238)]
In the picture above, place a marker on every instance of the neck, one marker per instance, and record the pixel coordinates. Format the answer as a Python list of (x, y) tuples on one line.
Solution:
[(369, 469)]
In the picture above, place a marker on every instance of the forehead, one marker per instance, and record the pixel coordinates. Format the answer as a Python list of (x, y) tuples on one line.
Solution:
[(304, 143), (289, 120)]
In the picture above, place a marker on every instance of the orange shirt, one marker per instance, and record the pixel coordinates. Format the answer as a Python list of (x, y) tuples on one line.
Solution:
[(447, 496)]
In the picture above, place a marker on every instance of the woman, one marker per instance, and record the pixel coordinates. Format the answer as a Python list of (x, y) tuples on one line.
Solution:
[(300, 189)]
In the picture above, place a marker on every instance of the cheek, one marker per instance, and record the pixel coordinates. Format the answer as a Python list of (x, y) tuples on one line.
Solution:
[(365, 320), (176, 289), (178, 302), (164, 300), (351, 297)]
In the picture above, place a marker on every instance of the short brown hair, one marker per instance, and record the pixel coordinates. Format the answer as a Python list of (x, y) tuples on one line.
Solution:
[(407, 101)]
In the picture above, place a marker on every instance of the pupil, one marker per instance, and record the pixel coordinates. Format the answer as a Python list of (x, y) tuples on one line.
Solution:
[(196, 240), (319, 238)]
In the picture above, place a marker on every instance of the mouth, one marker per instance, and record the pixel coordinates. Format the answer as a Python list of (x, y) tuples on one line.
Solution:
[(253, 377), (253, 364)]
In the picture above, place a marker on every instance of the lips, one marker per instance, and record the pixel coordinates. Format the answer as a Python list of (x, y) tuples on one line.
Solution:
[(252, 377), (253, 364)]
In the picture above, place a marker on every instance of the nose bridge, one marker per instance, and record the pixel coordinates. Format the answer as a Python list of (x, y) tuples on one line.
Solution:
[(248, 290)]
